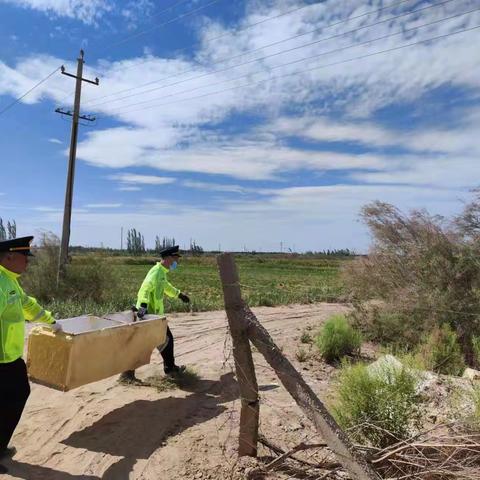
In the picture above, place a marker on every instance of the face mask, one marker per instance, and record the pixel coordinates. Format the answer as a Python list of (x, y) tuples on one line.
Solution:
[(173, 266)]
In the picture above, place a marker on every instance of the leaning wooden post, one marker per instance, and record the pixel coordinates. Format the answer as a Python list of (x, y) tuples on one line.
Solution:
[(325, 424), (242, 355)]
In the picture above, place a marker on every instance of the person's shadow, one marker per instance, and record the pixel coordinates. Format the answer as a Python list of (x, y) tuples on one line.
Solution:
[(136, 430)]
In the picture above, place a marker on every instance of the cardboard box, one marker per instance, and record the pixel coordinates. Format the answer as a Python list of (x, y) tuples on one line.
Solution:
[(92, 348)]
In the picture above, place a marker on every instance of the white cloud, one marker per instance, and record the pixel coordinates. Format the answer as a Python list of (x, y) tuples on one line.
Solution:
[(141, 179), (216, 187), (136, 11), (55, 140), (329, 130), (88, 11), (103, 205), (126, 188), (43, 208)]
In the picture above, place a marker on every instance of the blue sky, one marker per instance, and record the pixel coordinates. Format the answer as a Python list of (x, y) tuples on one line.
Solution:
[(239, 123)]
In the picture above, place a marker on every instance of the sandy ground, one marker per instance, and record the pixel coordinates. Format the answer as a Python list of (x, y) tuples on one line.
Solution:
[(110, 431)]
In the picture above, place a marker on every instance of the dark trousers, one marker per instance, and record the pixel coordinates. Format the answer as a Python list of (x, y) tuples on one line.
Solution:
[(14, 392), (167, 352)]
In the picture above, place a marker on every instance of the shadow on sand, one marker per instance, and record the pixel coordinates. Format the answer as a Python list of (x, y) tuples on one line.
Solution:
[(136, 430)]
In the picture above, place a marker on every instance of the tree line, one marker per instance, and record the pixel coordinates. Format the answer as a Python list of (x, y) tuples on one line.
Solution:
[(136, 244), (9, 231)]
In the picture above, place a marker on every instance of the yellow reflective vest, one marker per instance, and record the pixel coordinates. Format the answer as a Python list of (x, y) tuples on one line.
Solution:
[(154, 287), (16, 307)]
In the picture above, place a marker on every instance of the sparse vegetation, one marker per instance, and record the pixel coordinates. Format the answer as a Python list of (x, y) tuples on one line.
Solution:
[(338, 339), (378, 408), (301, 355), (306, 337), (183, 381)]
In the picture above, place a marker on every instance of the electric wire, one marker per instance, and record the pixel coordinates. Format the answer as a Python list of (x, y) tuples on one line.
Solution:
[(361, 57), (217, 37), (168, 22), (10, 105), (94, 100), (310, 58)]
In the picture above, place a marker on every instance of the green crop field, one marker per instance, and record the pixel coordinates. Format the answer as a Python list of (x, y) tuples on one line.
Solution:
[(266, 281)]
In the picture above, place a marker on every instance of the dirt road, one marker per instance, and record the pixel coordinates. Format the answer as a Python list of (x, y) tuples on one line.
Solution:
[(109, 431)]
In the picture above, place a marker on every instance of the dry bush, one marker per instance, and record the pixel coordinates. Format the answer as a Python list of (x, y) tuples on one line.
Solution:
[(422, 272), (94, 280)]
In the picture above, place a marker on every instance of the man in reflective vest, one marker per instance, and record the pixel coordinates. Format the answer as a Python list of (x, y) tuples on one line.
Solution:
[(150, 300), (15, 308)]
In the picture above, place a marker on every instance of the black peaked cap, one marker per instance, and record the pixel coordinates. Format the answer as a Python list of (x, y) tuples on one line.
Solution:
[(20, 245), (170, 252)]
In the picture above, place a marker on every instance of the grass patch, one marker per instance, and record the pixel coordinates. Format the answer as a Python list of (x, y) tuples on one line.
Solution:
[(183, 381), (338, 339)]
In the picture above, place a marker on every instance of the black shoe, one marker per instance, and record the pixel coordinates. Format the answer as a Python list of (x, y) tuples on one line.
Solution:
[(3, 469), (8, 452), (175, 370)]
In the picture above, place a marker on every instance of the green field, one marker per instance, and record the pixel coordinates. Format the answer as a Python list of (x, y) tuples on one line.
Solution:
[(266, 281)]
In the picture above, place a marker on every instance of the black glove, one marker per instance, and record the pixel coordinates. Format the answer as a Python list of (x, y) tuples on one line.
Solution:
[(184, 298), (142, 311)]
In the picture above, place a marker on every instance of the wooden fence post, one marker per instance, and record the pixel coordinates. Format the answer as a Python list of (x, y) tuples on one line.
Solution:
[(244, 321), (242, 354)]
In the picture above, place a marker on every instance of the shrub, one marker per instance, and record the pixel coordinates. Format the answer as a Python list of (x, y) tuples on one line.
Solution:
[(379, 408), (338, 339), (441, 352), (425, 271)]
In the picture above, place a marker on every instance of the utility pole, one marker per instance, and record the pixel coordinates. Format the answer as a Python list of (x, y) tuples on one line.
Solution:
[(121, 238), (67, 212)]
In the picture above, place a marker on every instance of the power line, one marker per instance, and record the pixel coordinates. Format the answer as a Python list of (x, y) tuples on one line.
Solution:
[(246, 27), (10, 105), (224, 69), (168, 22), (360, 57), (270, 45), (167, 9), (354, 45)]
